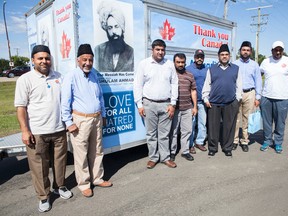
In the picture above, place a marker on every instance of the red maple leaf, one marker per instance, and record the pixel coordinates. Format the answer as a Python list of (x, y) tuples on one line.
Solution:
[(65, 46), (167, 32)]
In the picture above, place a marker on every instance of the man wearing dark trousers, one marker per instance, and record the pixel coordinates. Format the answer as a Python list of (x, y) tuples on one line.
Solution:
[(221, 93)]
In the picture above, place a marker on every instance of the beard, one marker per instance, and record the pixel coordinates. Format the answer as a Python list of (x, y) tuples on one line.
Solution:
[(181, 71), (116, 43)]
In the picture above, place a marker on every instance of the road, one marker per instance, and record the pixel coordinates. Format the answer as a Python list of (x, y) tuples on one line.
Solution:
[(253, 183), (6, 79)]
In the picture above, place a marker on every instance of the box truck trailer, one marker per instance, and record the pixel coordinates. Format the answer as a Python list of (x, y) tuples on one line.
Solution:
[(65, 24)]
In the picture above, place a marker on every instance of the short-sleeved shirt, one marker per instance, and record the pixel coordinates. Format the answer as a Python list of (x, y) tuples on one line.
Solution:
[(186, 83), (41, 95), (276, 78)]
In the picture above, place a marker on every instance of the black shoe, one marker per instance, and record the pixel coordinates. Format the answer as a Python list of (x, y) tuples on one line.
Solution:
[(234, 146), (211, 153), (172, 157), (188, 157), (245, 148), (228, 153)]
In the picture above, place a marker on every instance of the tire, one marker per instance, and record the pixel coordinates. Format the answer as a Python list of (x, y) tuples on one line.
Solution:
[(11, 75)]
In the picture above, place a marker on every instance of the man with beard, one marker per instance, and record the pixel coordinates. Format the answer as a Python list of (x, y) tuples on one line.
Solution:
[(274, 100), (252, 86), (185, 110), (199, 130), (37, 99), (114, 55), (83, 112), (221, 93)]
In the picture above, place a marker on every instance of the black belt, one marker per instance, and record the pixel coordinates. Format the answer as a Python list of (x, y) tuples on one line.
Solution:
[(248, 90), (158, 101)]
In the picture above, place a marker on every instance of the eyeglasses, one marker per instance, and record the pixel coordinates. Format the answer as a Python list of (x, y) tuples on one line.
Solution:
[(199, 56)]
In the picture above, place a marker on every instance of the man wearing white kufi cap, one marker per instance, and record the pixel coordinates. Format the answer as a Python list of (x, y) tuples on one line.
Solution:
[(115, 54), (274, 100)]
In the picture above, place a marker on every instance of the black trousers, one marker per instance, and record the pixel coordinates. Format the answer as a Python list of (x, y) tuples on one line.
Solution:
[(228, 115)]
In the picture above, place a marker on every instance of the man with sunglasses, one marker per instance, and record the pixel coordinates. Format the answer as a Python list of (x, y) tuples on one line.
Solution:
[(252, 86), (274, 101), (198, 69)]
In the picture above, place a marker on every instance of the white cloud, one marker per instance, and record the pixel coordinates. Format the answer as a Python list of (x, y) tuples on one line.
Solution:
[(18, 24)]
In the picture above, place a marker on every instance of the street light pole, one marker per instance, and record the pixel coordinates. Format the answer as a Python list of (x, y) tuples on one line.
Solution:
[(8, 42)]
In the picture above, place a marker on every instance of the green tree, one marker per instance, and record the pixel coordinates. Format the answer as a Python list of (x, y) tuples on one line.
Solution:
[(20, 60), (4, 64)]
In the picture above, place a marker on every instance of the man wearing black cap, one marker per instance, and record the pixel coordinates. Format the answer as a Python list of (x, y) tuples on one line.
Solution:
[(198, 69), (83, 112), (221, 92), (37, 98), (252, 86)]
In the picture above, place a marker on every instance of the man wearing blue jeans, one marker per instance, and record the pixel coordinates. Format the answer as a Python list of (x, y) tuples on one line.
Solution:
[(274, 100), (199, 71)]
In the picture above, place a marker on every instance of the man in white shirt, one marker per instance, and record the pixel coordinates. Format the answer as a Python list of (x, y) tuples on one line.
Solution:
[(156, 93), (37, 99), (274, 100)]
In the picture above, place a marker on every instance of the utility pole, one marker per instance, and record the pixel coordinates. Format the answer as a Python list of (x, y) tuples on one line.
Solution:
[(8, 42), (226, 8), (17, 50), (259, 23)]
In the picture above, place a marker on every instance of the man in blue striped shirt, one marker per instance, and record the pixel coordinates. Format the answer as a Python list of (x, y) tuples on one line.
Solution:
[(252, 86), (83, 112)]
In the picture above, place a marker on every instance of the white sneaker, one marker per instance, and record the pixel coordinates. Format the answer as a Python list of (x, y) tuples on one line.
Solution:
[(44, 205), (63, 192)]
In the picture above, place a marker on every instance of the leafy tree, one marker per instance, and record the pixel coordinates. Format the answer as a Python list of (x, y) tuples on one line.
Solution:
[(20, 60), (4, 64)]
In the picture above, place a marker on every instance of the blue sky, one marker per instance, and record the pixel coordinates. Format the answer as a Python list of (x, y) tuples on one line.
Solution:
[(276, 28)]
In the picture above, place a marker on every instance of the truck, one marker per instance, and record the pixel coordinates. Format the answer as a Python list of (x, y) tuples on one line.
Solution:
[(65, 24)]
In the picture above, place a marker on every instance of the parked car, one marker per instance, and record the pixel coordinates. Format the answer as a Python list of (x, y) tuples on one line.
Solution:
[(17, 71)]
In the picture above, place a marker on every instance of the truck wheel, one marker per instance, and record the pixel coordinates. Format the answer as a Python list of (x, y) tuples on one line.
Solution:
[(11, 75)]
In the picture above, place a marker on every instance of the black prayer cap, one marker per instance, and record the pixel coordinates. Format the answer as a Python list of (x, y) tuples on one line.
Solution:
[(246, 44), (224, 48), (84, 49), (40, 48)]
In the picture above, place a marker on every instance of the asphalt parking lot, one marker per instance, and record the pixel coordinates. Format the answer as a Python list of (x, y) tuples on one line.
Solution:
[(253, 183)]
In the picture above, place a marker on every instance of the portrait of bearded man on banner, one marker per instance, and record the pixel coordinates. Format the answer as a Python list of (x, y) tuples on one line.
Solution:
[(114, 55)]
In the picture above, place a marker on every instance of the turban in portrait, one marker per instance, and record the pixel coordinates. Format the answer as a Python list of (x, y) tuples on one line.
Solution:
[(107, 9)]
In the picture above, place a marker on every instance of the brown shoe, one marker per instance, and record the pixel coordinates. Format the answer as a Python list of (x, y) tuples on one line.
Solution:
[(192, 150), (201, 147), (151, 164), (105, 184), (170, 164), (87, 193)]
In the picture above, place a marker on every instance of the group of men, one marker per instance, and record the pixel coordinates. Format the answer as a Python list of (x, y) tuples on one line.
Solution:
[(47, 106), (170, 98), (194, 102)]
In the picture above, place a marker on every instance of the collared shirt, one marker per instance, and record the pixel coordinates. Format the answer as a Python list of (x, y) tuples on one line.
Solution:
[(276, 78), (81, 93), (156, 81), (199, 76), (251, 76), (186, 85), (207, 84), (41, 95)]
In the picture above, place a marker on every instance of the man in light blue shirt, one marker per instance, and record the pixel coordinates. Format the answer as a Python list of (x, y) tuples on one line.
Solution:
[(83, 112), (252, 86)]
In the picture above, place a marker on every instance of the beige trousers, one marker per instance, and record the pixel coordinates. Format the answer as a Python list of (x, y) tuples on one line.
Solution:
[(48, 148), (88, 151), (245, 108)]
